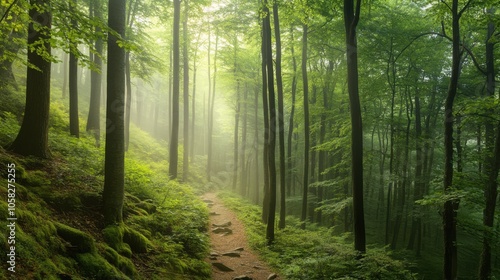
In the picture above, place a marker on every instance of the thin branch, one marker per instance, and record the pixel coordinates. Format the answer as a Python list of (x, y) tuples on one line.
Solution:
[(8, 10), (442, 28), (469, 51), (449, 8), (464, 8)]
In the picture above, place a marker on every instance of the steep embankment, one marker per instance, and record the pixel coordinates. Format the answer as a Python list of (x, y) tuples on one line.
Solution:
[(59, 232)]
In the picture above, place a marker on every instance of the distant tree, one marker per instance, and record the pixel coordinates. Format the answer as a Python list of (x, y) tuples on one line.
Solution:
[(94, 117), (305, 84), (185, 88), (281, 123), (32, 138), (271, 141), (74, 125), (351, 19), (114, 164), (174, 136)]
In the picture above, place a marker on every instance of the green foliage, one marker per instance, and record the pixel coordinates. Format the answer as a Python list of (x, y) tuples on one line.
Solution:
[(315, 253), (9, 127)]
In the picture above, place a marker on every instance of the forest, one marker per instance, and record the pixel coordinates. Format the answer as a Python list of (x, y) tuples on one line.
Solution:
[(345, 139)]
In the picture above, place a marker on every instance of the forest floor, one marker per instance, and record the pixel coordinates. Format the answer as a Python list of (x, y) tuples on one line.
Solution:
[(230, 254)]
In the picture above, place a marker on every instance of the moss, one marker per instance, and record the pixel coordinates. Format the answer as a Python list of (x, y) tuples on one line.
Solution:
[(90, 199), (82, 242), (124, 264), (94, 266), (113, 235), (149, 207), (138, 242)]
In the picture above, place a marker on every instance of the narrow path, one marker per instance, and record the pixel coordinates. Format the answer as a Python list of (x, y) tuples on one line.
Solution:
[(229, 246)]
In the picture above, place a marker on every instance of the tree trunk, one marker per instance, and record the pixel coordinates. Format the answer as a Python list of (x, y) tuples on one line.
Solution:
[(272, 125), (243, 176), (265, 107), (32, 138), (351, 18), (114, 173), (74, 126), (185, 102), (491, 190), (305, 179), (94, 117), (128, 98), (451, 206), (290, 122), (236, 138), (281, 124), (174, 137)]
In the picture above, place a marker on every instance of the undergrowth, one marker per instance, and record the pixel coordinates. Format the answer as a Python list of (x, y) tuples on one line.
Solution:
[(60, 232), (315, 253)]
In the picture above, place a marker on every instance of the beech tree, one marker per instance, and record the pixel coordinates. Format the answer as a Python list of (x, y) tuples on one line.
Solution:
[(32, 138), (114, 164)]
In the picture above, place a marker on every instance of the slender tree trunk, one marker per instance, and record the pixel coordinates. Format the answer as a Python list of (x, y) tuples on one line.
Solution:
[(290, 122), (94, 117), (491, 190), (305, 179), (243, 176), (272, 125), (32, 138), (281, 124), (74, 126), (174, 137), (185, 102), (256, 147), (351, 18), (65, 75), (451, 206), (265, 107), (211, 107), (114, 176), (236, 138), (128, 98)]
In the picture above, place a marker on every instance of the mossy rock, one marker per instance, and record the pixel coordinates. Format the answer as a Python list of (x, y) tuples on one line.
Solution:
[(149, 207), (124, 264), (113, 236), (125, 240), (63, 203), (81, 242), (137, 241), (94, 266), (130, 209)]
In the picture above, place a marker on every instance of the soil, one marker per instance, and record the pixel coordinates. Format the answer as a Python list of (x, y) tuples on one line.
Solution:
[(236, 242)]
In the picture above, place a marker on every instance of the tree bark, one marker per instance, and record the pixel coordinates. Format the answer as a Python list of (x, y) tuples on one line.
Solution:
[(305, 179), (451, 206), (271, 143), (74, 126), (174, 137), (281, 124), (94, 117), (114, 173), (185, 102), (290, 122), (351, 18), (32, 138)]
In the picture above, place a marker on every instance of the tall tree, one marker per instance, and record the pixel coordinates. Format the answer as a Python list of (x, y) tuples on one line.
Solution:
[(185, 88), (174, 136), (281, 124), (94, 117), (351, 19), (290, 122), (73, 79), (271, 141), (451, 206), (305, 84), (32, 138), (491, 189), (114, 163)]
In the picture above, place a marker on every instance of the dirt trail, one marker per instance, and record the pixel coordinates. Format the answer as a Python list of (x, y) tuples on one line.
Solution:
[(229, 246)]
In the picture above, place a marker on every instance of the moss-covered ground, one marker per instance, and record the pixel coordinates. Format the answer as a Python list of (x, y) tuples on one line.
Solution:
[(59, 229)]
